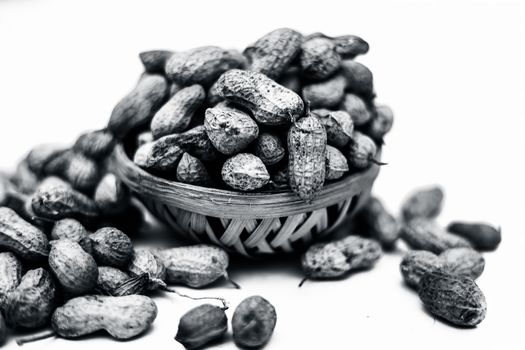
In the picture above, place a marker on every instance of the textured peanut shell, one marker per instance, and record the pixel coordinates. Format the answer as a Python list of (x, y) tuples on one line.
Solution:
[(269, 102), (273, 53), (338, 125), (138, 106), (463, 261), (359, 78), (454, 298), (482, 236), (95, 144), (176, 114), (337, 258), (426, 234), (336, 164), (161, 155), (319, 59), (56, 199), (10, 275), (145, 261), (154, 61), (229, 130), (269, 148), (109, 278), (21, 237), (253, 322), (423, 202), (356, 107), (201, 325), (244, 172), (416, 264), (196, 142), (111, 247), (202, 65), (307, 157), (31, 304), (379, 223), (361, 151), (122, 317), (381, 122), (195, 266), (75, 269), (73, 230), (192, 171), (40, 155), (348, 46), (325, 94)]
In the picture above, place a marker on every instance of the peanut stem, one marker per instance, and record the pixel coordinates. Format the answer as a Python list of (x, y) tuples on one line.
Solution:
[(235, 284), (222, 300), (302, 282), (34, 337), (375, 161)]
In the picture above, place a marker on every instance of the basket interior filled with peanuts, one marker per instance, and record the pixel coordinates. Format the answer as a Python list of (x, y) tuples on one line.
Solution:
[(291, 112)]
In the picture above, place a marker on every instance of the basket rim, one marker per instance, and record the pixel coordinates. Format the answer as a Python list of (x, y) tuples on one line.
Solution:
[(231, 204)]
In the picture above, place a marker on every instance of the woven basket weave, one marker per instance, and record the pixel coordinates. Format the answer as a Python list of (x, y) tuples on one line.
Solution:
[(247, 223)]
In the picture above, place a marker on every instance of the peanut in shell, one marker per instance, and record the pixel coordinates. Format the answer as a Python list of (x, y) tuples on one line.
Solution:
[(245, 172)]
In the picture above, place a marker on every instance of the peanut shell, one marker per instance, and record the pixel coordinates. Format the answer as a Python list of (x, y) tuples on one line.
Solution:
[(245, 172), (201, 325), (361, 151), (160, 155), (192, 171), (111, 195), (338, 125), (336, 164), (416, 264), (154, 61), (482, 236), (325, 94), (10, 275), (423, 203), (463, 261), (356, 107), (253, 322), (359, 78), (96, 144), (319, 60), (111, 247), (40, 155), (144, 261), (381, 123), (269, 148), (109, 279), (379, 223), (73, 230)]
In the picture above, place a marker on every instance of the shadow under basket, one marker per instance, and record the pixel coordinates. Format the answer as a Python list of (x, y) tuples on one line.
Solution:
[(247, 223)]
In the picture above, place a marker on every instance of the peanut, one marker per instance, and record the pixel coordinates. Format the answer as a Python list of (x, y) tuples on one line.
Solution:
[(111, 247), (424, 202), (73, 230), (253, 322), (229, 130), (359, 78), (426, 234), (201, 325), (338, 125), (356, 107), (192, 171), (337, 258), (109, 279), (307, 157), (202, 65), (95, 144), (144, 261), (111, 195), (348, 46), (154, 61), (463, 261), (10, 275), (416, 264), (42, 154), (326, 94), (381, 123), (319, 60), (196, 142), (336, 164), (269, 102), (362, 151), (245, 172), (75, 269), (82, 173), (31, 304), (195, 266), (482, 236), (379, 223), (21, 237), (55, 199), (273, 53), (138, 107), (269, 148), (455, 298), (176, 114), (160, 155), (122, 317)]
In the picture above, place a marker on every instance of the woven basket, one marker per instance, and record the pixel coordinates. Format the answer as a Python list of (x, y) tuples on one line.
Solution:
[(247, 223)]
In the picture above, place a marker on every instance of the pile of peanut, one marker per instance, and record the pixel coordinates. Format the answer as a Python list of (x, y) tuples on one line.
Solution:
[(290, 112)]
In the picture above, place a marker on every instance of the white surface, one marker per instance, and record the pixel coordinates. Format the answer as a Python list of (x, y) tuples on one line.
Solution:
[(452, 71)]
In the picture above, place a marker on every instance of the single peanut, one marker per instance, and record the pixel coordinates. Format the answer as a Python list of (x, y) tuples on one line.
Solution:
[(73, 230), (336, 164), (21, 237), (154, 61), (362, 151), (379, 223), (42, 154), (424, 202), (75, 269), (253, 322), (269, 148), (96, 144), (416, 264), (357, 108), (192, 171), (326, 94), (338, 125), (319, 60), (176, 114), (201, 325), (109, 279), (381, 123), (245, 172), (463, 261), (359, 78), (482, 236), (111, 247), (160, 155)]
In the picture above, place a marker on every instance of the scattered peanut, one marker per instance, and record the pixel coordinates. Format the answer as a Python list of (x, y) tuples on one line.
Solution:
[(253, 322), (463, 261), (379, 223), (482, 236), (424, 202), (202, 325)]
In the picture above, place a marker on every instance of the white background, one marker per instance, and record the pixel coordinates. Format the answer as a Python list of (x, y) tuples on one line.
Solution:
[(453, 71)]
